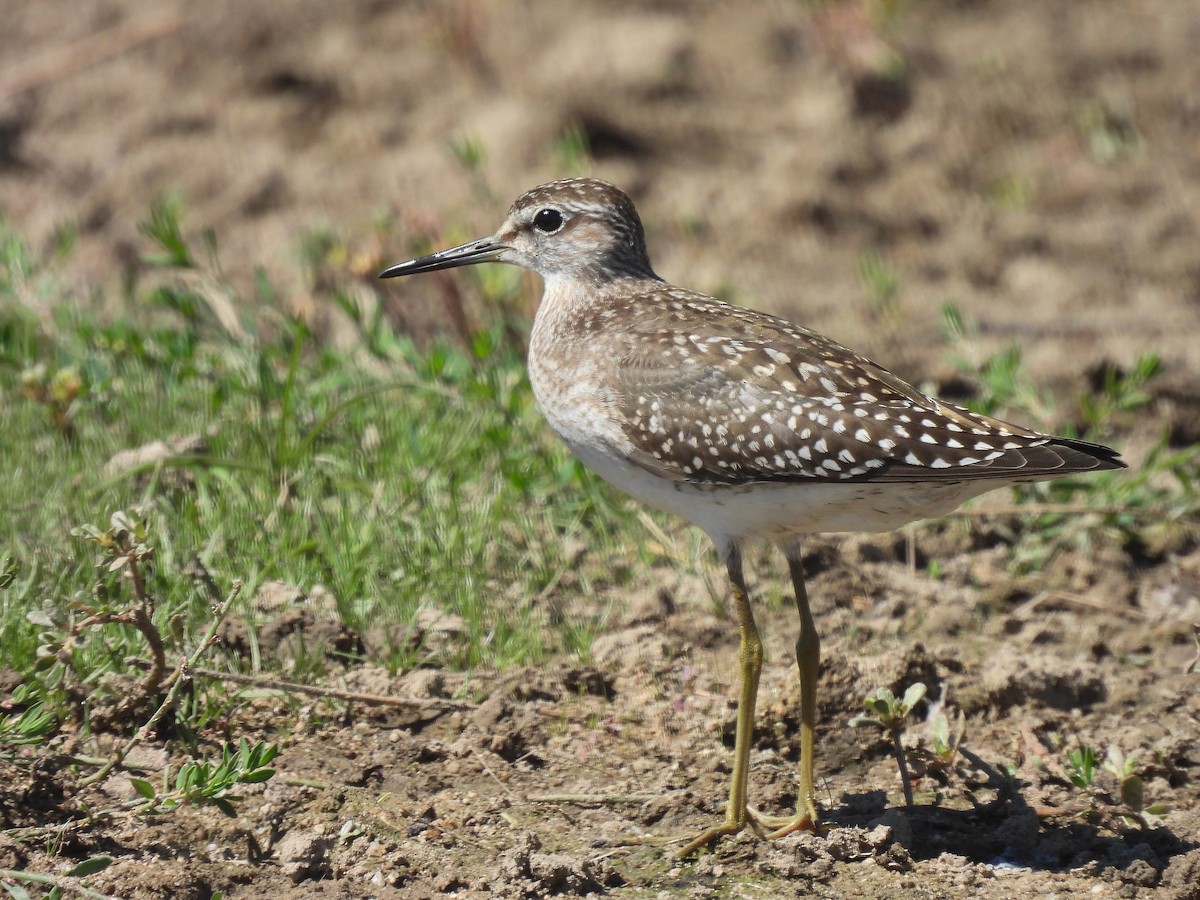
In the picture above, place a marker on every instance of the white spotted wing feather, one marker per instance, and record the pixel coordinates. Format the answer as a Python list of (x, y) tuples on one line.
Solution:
[(713, 393)]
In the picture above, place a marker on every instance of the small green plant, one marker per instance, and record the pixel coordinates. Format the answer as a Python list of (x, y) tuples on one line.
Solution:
[(30, 726), (125, 549), (1013, 191), (571, 152), (164, 227), (1111, 134), (202, 782), (945, 740), (66, 630), (193, 287), (1128, 808), (60, 885), (1132, 790), (1082, 767), (470, 153), (58, 391), (888, 712), (1119, 392), (883, 283), (1002, 381)]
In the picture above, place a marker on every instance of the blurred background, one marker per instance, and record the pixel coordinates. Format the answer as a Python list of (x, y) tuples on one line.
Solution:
[(855, 165)]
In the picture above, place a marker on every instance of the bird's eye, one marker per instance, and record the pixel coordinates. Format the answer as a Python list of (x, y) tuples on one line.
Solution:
[(548, 221)]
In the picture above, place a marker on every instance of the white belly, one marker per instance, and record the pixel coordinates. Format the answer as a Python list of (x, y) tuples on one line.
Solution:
[(779, 512)]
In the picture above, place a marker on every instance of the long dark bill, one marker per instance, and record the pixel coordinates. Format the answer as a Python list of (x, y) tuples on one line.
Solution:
[(484, 250)]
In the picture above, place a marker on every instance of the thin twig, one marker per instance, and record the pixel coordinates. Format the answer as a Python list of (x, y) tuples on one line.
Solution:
[(1078, 600), (311, 690), (1054, 812), (593, 799), (500, 784), (1036, 749), (142, 621), (175, 682), (77, 759), (1194, 665), (905, 781)]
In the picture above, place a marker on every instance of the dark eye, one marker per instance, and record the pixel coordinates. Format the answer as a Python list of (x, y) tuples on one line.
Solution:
[(548, 220)]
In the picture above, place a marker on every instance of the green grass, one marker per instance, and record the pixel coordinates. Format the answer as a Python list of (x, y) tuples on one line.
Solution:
[(1152, 508), (425, 479)]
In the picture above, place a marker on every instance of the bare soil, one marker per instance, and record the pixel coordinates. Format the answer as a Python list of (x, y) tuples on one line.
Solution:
[(1036, 163)]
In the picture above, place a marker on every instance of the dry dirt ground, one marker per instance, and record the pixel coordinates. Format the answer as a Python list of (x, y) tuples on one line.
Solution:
[(1037, 163)]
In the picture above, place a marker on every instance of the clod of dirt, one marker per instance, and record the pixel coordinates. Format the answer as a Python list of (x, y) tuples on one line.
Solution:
[(120, 705), (1181, 881), (10, 680), (298, 624), (436, 631), (422, 684), (1140, 874), (1044, 679), (146, 456), (304, 855), (898, 671), (541, 874), (891, 830), (630, 649), (12, 855), (502, 728), (151, 759), (588, 681)]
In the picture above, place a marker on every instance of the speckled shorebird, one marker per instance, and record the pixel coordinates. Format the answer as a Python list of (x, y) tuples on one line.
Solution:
[(743, 423)]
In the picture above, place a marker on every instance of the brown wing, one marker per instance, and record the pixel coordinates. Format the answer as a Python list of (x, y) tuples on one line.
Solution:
[(749, 397)]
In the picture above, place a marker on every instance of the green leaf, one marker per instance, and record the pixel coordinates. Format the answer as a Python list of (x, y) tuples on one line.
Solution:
[(143, 787), (91, 866), (1083, 763), (1133, 792), (914, 695), (940, 731), (257, 776), (188, 775)]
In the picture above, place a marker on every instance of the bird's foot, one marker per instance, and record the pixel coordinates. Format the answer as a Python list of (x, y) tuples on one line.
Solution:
[(772, 828), (769, 828), (729, 826)]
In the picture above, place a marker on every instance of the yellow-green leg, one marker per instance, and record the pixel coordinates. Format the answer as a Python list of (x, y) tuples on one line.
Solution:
[(808, 659), (750, 664)]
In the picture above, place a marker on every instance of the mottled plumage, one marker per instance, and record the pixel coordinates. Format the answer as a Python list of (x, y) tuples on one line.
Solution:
[(744, 423), (712, 393)]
